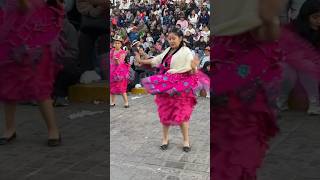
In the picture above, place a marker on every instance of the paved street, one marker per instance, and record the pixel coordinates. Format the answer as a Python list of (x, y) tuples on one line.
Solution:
[(82, 155), (136, 136), (295, 153)]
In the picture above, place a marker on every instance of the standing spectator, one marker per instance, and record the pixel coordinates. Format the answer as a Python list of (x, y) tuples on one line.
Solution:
[(93, 26), (71, 71)]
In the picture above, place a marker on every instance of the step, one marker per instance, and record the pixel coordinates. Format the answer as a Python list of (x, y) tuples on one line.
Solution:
[(138, 91), (89, 92)]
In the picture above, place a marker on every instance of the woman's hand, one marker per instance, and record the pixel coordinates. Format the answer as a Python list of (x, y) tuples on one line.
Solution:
[(117, 61), (24, 5), (269, 11), (138, 58), (194, 63)]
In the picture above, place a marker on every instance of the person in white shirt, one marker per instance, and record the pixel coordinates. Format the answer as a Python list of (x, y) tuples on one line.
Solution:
[(190, 29), (206, 57), (193, 18), (205, 33)]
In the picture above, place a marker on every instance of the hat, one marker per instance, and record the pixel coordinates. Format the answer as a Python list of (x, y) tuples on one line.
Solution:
[(117, 38), (134, 42)]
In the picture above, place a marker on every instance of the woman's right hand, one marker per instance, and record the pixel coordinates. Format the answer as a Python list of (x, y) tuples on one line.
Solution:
[(270, 9), (117, 61), (137, 58), (24, 5)]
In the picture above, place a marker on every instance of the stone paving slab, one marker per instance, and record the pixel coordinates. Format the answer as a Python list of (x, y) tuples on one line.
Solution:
[(136, 135), (295, 152), (82, 156)]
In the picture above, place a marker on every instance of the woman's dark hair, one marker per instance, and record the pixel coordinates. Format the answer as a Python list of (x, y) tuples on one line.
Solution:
[(302, 23), (205, 68), (179, 33)]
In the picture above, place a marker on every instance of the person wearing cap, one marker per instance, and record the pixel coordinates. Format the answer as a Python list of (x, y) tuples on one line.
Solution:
[(119, 72)]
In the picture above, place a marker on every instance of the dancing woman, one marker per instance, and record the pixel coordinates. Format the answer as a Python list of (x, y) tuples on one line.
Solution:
[(29, 42), (245, 79), (173, 86), (119, 72)]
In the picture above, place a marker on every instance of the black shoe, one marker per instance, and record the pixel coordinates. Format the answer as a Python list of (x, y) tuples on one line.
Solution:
[(61, 102), (186, 148), (112, 105), (126, 106), (164, 146), (4, 140), (54, 142)]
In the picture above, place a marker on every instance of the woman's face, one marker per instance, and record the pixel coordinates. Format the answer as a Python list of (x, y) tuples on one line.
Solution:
[(207, 52), (174, 40), (141, 51), (117, 45), (314, 20)]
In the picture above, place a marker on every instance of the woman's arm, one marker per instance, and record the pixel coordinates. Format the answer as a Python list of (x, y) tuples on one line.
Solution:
[(24, 5), (142, 61), (269, 11)]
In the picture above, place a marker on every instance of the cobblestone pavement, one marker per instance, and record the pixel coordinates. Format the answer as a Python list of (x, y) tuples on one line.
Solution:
[(295, 153), (82, 155), (136, 136)]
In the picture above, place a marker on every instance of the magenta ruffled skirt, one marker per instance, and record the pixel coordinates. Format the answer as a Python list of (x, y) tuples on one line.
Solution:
[(243, 121), (176, 109), (118, 87), (240, 138), (119, 75), (175, 96), (25, 82)]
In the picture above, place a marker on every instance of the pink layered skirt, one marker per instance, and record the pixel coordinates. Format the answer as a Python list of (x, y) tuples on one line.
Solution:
[(239, 139), (243, 118), (175, 96), (119, 75), (21, 82), (175, 110), (118, 87), (30, 46)]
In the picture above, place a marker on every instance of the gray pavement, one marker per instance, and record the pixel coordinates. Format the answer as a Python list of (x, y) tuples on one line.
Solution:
[(136, 136), (82, 156), (295, 153)]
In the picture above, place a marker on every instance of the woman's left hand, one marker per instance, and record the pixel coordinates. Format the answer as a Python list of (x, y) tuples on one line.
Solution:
[(195, 62)]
